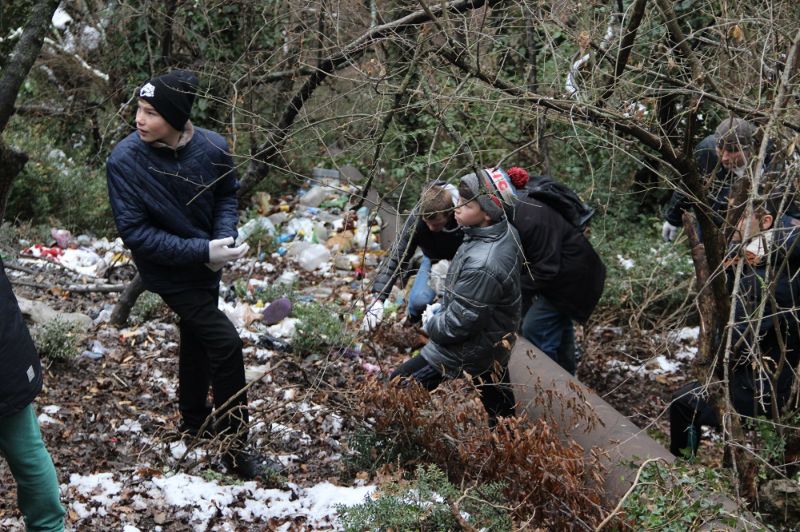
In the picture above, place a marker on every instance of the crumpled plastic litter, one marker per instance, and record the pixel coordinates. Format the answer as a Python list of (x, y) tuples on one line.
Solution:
[(40, 251), (96, 352), (283, 329), (240, 314), (313, 257), (62, 237)]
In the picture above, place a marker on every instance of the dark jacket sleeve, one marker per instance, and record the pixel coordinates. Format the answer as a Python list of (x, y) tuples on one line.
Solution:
[(226, 204), (144, 239), (399, 257), (474, 293), (677, 204), (705, 157)]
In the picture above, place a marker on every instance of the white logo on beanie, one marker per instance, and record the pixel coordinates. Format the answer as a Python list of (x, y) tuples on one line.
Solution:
[(147, 91)]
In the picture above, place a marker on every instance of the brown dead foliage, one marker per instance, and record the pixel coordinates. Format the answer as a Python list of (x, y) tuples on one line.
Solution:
[(548, 482)]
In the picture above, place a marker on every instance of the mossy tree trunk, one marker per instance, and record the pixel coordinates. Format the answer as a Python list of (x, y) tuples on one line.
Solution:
[(22, 59)]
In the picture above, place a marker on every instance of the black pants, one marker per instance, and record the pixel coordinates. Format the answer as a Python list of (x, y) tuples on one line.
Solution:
[(496, 393), (210, 353), (689, 410)]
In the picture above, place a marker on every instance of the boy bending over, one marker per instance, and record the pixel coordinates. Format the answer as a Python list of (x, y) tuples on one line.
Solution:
[(473, 330)]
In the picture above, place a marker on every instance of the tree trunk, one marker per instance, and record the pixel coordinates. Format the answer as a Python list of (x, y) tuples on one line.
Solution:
[(24, 55), (11, 164), (22, 58), (119, 316)]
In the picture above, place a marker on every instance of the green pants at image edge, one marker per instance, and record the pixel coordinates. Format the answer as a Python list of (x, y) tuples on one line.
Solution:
[(37, 484)]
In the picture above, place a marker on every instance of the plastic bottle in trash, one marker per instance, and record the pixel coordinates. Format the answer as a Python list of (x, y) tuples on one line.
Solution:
[(261, 223), (361, 234), (313, 256), (313, 197)]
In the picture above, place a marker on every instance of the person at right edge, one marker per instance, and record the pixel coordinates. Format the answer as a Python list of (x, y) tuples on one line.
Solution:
[(766, 345)]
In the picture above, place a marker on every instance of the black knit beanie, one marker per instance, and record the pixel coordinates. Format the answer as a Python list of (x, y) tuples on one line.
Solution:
[(172, 95)]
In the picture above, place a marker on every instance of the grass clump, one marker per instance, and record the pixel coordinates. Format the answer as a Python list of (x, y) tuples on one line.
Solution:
[(676, 498), (147, 307), (321, 326), (57, 340)]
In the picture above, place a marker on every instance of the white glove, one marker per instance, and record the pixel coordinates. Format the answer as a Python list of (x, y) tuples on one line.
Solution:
[(668, 232), (430, 311), (219, 253), (372, 316), (438, 276)]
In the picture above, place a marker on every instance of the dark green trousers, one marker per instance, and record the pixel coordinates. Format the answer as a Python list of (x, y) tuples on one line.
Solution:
[(30, 463)]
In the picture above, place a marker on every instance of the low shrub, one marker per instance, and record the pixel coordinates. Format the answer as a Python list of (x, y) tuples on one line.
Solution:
[(321, 326), (147, 307), (676, 497), (429, 502), (58, 188), (545, 482), (56, 339)]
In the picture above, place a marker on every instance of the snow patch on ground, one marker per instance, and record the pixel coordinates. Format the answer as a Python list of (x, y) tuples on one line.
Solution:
[(662, 364), (686, 354), (626, 262), (130, 425), (208, 498), (685, 334), (44, 419), (100, 491), (51, 409)]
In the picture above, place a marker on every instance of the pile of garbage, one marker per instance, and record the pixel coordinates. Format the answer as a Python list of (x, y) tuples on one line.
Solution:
[(82, 254), (314, 239)]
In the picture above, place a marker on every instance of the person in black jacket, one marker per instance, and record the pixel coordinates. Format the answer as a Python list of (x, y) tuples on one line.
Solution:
[(20, 439), (475, 325), (724, 156), (173, 188), (432, 227), (562, 278), (766, 339)]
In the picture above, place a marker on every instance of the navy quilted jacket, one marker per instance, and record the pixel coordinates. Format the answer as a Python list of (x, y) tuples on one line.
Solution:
[(168, 203), (21, 375)]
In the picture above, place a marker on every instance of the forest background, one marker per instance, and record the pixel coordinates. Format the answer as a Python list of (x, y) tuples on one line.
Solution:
[(608, 96)]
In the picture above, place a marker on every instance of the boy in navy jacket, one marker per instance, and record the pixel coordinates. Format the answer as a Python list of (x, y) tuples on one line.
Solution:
[(173, 188)]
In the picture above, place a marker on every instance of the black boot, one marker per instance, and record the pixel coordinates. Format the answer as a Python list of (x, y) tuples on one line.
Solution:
[(250, 466)]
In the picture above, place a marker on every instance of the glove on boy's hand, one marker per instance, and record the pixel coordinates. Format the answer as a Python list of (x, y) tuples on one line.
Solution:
[(372, 316), (669, 232), (430, 312), (219, 252)]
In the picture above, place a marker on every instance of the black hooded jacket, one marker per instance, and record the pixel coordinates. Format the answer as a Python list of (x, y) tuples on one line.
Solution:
[(21, 375), (560, 263)]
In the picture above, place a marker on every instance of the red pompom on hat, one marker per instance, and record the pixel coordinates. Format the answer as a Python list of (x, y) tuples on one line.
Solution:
[(519, 176)]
